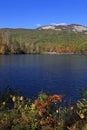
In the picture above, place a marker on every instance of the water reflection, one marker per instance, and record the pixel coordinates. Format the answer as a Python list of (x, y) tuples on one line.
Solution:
[(53, 73)]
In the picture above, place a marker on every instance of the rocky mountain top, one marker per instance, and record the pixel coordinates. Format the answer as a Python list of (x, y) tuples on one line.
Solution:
[(70, 28)]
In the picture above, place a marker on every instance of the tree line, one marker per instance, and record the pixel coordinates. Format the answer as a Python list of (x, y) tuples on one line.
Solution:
[(41, 41)]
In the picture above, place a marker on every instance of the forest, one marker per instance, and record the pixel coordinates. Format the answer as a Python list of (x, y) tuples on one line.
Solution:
[(34, 41)]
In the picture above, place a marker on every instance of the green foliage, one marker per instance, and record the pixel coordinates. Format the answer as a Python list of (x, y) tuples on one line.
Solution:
[(82, 108), (83, 93), (43, 113), (16, 41)]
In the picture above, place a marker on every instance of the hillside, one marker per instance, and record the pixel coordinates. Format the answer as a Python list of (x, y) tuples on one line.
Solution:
[(47, 39)]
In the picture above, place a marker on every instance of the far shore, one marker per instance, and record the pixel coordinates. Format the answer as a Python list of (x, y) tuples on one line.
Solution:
[(57, 53), (43, 53)]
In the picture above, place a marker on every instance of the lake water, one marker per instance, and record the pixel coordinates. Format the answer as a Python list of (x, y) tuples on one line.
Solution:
[(56, 74)]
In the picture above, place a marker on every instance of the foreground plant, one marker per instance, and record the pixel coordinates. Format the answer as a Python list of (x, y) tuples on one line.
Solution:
[(27, 115), (43, 113)]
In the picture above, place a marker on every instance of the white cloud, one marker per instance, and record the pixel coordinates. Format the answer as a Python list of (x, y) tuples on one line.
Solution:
[(38, 25), (58, 24)]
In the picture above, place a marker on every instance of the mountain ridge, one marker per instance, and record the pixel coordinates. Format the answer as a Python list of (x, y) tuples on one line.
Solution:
[(53, 39), (70, 27), (49, 27)]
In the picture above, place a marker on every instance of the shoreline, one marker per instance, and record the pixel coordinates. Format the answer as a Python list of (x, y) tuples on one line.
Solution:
[(45, 53)]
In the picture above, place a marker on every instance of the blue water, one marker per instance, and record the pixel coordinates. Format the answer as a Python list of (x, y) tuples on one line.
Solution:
[(30, 74)]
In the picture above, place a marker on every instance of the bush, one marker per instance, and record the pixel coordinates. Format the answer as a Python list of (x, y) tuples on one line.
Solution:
[(43, 113)]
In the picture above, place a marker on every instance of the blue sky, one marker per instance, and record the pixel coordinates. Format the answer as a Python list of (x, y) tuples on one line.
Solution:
[(33, 13)]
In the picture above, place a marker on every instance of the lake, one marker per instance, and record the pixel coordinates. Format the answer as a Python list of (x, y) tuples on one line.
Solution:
[(55, 74)]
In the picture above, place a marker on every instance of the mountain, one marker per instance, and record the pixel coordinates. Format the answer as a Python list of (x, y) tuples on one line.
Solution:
[(70, 28), (45, 39)]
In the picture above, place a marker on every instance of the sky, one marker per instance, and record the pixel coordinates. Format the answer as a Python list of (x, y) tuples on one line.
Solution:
[(35, 13)]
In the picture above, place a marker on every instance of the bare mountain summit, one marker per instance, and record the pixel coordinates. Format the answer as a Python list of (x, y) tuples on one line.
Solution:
[(70, 28)]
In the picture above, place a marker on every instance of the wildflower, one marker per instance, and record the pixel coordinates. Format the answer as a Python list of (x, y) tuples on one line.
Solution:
[(3, 103), (35, 119), (25, 107), (21, 98), (19, 106), (71, 108), (50, 98), (57, 97), (36, 102), (40, 113), (32, 106), (57, 111), (54, 98), (14, 99), (44, 105), (39, 107), (59, 123), (82, 116)]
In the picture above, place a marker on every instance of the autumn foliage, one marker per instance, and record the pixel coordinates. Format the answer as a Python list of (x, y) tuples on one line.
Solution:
[(46, 112), (24, 41)]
